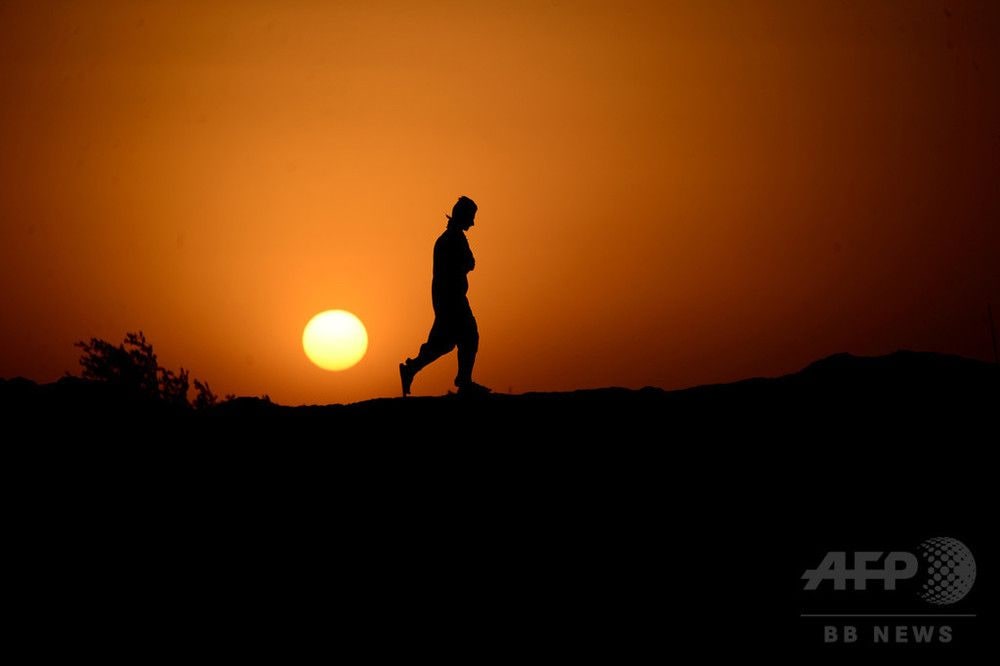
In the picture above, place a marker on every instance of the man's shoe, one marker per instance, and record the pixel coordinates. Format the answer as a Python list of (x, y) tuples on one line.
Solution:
[(472, 388), (405, 377)]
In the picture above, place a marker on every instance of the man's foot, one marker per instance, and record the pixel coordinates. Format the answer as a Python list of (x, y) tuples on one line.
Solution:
[(406, 377), (472, 388)]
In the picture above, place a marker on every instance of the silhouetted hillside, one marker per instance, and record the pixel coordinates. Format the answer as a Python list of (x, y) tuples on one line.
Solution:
[(609, 522), (904, 390)]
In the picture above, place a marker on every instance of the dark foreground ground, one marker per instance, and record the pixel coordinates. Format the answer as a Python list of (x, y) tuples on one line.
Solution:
[(608, 524)]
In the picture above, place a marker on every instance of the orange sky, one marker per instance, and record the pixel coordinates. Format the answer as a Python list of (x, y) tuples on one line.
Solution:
[(669, 193)]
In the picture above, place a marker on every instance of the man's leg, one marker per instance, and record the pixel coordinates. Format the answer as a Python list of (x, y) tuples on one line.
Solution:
[(468, 346), (438, 344)]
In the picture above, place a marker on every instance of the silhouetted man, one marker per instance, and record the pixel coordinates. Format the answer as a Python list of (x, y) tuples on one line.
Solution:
[(454, 324)]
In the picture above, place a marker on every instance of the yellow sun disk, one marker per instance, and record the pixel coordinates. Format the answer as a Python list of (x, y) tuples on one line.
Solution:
[(335, 340)]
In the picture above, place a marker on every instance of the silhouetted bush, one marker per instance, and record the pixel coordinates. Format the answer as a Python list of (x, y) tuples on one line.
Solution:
[(132, 365)]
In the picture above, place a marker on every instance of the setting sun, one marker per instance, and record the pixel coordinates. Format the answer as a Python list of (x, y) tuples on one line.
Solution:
[(335, 340)]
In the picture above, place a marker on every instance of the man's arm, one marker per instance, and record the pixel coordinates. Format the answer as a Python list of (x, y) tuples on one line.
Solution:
[(453, 256), (470, 261)]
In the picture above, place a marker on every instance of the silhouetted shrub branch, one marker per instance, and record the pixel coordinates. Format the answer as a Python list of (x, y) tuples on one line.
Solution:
[(204, 396)]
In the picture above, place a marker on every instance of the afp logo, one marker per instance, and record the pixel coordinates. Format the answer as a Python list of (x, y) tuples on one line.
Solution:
[(949, 570)]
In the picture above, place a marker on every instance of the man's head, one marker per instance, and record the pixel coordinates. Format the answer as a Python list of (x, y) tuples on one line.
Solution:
[(463, 214)]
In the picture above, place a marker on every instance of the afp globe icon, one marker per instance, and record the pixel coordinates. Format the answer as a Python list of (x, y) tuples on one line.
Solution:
[(951, 570)]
